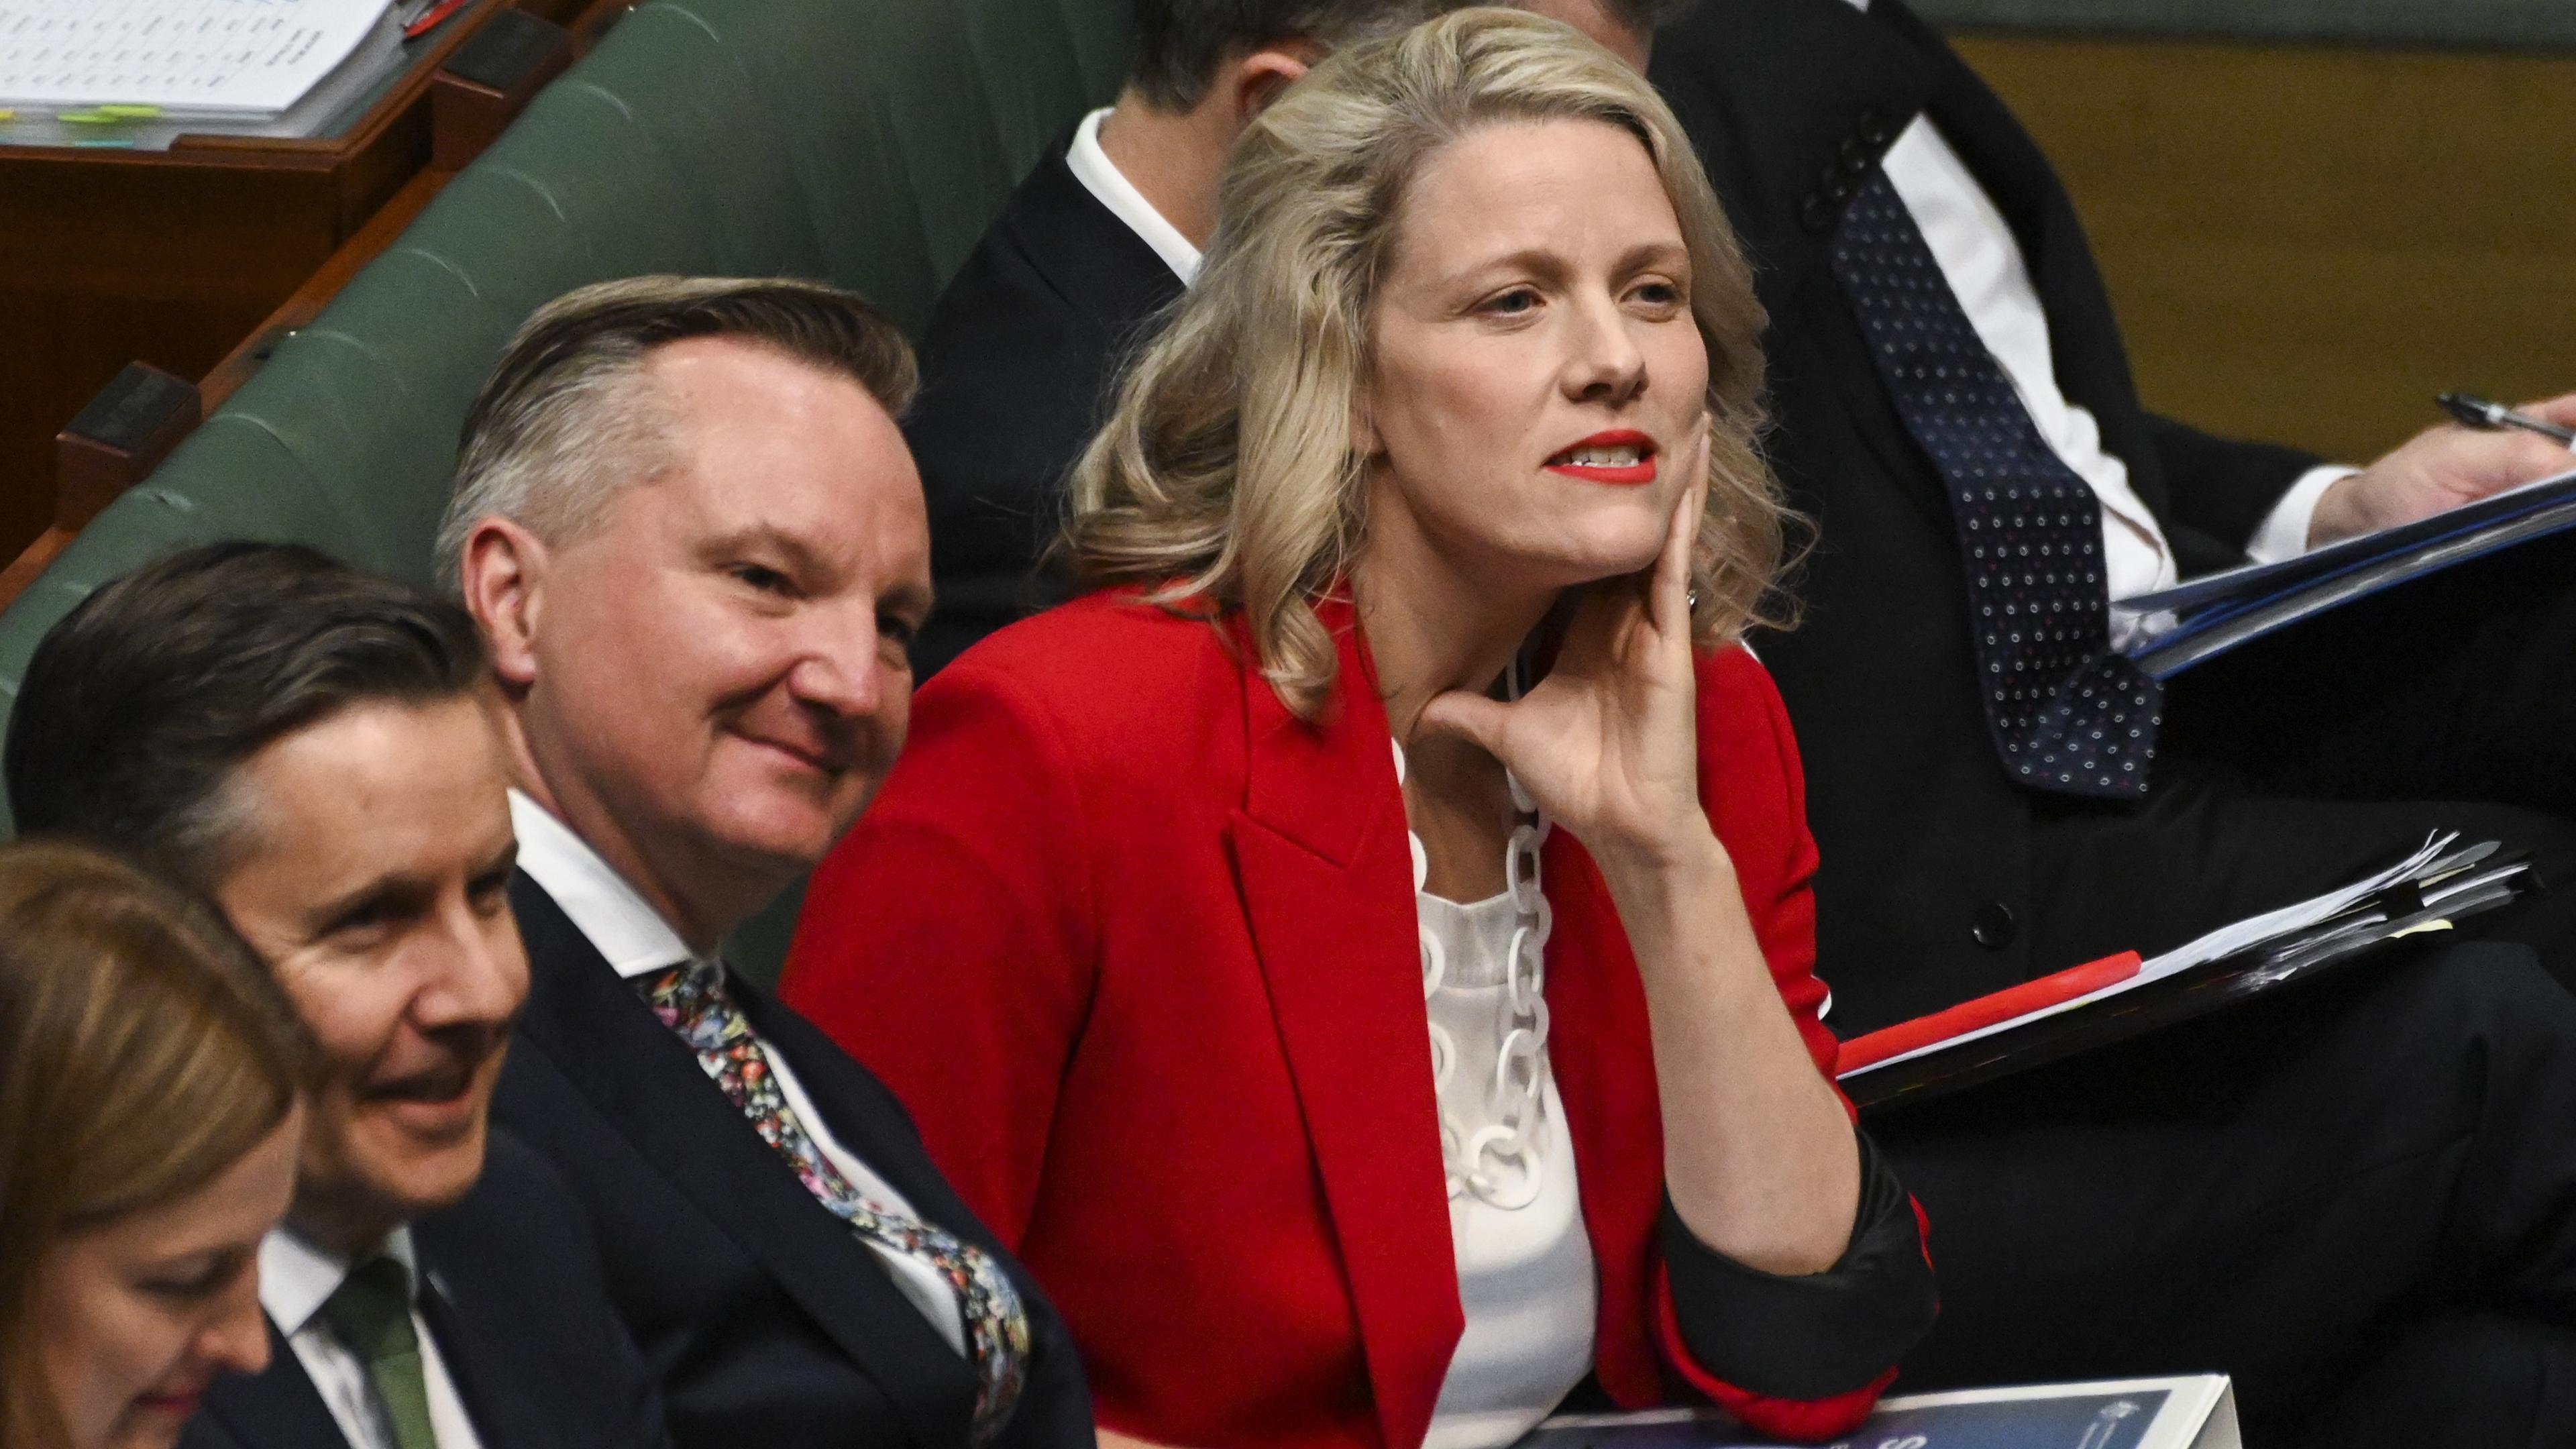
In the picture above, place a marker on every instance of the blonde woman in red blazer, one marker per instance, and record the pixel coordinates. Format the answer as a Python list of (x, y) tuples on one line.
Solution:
[(1149, 924)]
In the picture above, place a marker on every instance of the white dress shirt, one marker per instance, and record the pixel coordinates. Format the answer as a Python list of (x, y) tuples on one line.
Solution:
[(1985, 268), (637, 942), (296, 1277), (1525, 1275), (1110, 186)]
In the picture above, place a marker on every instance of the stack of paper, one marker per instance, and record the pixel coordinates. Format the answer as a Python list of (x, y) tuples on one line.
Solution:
[(205, 58), (2101, 1001), (2190, 1412)]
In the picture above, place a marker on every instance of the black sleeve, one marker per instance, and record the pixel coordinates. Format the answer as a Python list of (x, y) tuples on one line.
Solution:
[(1011, 392), (532, 1284), (1819, 1335), (2221, 489)]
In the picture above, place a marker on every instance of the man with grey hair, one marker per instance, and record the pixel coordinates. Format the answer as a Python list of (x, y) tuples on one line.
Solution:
[(1105, 233), (694, 542)]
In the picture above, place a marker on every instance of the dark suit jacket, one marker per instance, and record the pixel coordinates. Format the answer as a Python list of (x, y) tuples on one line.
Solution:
[(766, 1321), (517, 1304), (1927, 845), (1016, 369)]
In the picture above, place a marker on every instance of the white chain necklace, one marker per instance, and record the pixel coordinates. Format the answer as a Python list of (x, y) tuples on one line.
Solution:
[(1498, 1164)]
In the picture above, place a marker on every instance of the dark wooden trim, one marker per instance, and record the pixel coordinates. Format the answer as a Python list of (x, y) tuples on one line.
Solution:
[(298, 310), (384, 200), (120, 437), (32, 561), (488, 81), (2526, 26)]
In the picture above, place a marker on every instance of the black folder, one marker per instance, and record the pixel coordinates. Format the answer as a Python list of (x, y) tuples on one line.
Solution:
[(2208, 616), (2444, 883)]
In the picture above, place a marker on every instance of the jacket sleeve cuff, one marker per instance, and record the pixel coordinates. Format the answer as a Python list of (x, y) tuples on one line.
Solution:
[(1806, 1354), (2283, 533)]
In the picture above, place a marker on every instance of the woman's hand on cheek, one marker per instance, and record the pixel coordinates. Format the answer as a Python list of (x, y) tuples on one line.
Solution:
[(1607, 743)]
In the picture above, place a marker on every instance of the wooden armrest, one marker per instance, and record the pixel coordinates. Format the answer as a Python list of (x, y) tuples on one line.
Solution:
[(121, 436), (489, 80)]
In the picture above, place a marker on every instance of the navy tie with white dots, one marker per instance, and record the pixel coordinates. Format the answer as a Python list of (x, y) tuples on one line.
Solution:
[(2069, 714)]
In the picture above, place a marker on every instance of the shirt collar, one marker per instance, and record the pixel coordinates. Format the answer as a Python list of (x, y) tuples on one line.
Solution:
[(1108, 185), (598, 901), (297, 1275)]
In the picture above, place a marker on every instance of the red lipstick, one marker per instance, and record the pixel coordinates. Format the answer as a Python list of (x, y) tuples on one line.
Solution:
[(178, 1404), (1606, 458)]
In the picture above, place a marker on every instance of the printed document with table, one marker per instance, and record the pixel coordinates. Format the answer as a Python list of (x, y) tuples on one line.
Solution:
[(210, 58)]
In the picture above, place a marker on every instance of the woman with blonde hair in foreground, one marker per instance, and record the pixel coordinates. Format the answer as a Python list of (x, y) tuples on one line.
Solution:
[(150, 1098), (1360, 957)]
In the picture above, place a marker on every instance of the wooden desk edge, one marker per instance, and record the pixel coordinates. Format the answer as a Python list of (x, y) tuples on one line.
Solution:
[(370, 241), (306, 303)]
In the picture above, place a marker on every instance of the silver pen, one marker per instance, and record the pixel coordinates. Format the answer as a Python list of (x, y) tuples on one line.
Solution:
[(2477, 412)]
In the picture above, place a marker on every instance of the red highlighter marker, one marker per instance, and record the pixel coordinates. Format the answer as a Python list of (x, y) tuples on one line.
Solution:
[(432, 18), (1985, 1011)]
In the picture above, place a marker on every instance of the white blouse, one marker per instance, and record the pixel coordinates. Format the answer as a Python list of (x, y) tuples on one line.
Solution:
[(1525, 1276)]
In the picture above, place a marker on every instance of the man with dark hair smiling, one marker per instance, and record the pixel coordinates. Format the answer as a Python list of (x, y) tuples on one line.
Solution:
[(312, 748)]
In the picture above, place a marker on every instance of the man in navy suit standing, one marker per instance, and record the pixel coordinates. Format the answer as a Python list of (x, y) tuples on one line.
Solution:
[(696, 545), (312, 749)]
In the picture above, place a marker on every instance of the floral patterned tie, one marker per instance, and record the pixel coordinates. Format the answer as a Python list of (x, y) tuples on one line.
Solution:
[(691, 1000)]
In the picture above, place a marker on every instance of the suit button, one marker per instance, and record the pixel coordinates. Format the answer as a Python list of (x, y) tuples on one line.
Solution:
[(1875, 130), (1858, 156), (1992, 926), (1819, 212)]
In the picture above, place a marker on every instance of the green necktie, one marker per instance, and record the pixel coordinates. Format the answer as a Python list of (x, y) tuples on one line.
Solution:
[(371, 1313)]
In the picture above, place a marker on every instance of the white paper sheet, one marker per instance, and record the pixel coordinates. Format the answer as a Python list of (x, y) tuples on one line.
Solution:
[(2224, 941), (194, 57)]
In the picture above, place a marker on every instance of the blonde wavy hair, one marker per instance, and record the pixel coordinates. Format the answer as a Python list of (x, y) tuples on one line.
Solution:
[(1228, 477)]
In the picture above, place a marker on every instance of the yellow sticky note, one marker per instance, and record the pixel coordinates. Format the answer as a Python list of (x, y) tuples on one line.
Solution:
[(129, 113), (8, 115), (85, 118)]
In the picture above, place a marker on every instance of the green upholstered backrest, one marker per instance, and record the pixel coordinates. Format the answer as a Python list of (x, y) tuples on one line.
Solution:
[(864, 142)]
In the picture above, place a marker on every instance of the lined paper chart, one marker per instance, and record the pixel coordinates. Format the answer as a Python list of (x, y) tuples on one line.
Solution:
[(248, 58)]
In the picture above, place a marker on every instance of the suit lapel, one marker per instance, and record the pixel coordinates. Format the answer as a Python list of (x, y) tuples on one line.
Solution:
[(598, 1032), (1321, 858), (276, 1408), (1084, 251), (503, 1417), (1791, 103), (1787, 100), (1784, 96), (2083, 333)]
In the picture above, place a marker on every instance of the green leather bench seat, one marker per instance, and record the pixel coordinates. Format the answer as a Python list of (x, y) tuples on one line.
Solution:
[(864, 142)]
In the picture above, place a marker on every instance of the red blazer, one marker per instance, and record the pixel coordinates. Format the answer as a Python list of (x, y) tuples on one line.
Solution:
[(1137, 947)]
